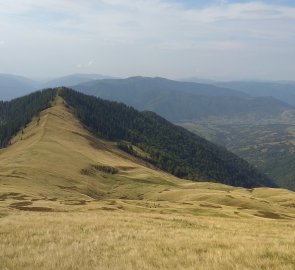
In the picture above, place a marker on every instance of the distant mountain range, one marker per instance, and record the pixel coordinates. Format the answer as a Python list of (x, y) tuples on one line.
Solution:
[(13, 86), (73, 79), (174, 100), (186, 101), (284, 91)]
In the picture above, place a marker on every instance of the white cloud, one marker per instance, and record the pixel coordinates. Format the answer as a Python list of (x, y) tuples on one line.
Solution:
[(143, 19), (150, 31)]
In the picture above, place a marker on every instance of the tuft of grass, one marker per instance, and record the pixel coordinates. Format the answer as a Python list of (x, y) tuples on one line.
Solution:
[(105, 169)]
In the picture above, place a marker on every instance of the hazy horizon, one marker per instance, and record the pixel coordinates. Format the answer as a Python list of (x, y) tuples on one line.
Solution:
[(218, 40), (184, 79)]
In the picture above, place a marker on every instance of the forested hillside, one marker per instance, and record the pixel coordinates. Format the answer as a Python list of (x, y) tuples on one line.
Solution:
[(15, 114), (165, 145)]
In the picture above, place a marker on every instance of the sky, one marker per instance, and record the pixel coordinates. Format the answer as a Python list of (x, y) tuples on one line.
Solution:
[(213, 39)]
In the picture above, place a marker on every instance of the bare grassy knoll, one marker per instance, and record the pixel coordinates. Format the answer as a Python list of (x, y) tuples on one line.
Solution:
[(71, 201)]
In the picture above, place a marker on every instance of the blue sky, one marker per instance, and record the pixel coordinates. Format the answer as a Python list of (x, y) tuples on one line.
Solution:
[(170, 38)]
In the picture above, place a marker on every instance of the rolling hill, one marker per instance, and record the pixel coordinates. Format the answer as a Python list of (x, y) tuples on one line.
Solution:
[(184, 101)]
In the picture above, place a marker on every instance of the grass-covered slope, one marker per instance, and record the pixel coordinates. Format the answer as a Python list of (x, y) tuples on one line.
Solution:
[(15, 114), (167, 146)]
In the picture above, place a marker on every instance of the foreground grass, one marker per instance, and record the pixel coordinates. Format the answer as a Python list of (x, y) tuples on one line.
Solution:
[(121, 239)]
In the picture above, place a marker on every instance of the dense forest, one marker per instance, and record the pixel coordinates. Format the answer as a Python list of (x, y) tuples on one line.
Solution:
[(17, 113), (169, 147)]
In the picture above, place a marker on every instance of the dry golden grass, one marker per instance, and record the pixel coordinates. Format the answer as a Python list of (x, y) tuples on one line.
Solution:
[(58, 212), (104, 239)]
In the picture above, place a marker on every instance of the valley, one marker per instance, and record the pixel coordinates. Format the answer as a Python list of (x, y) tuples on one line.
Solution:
[(268, 146)]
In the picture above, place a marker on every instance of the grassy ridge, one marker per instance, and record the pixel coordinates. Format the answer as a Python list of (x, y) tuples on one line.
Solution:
[(169, 147)]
